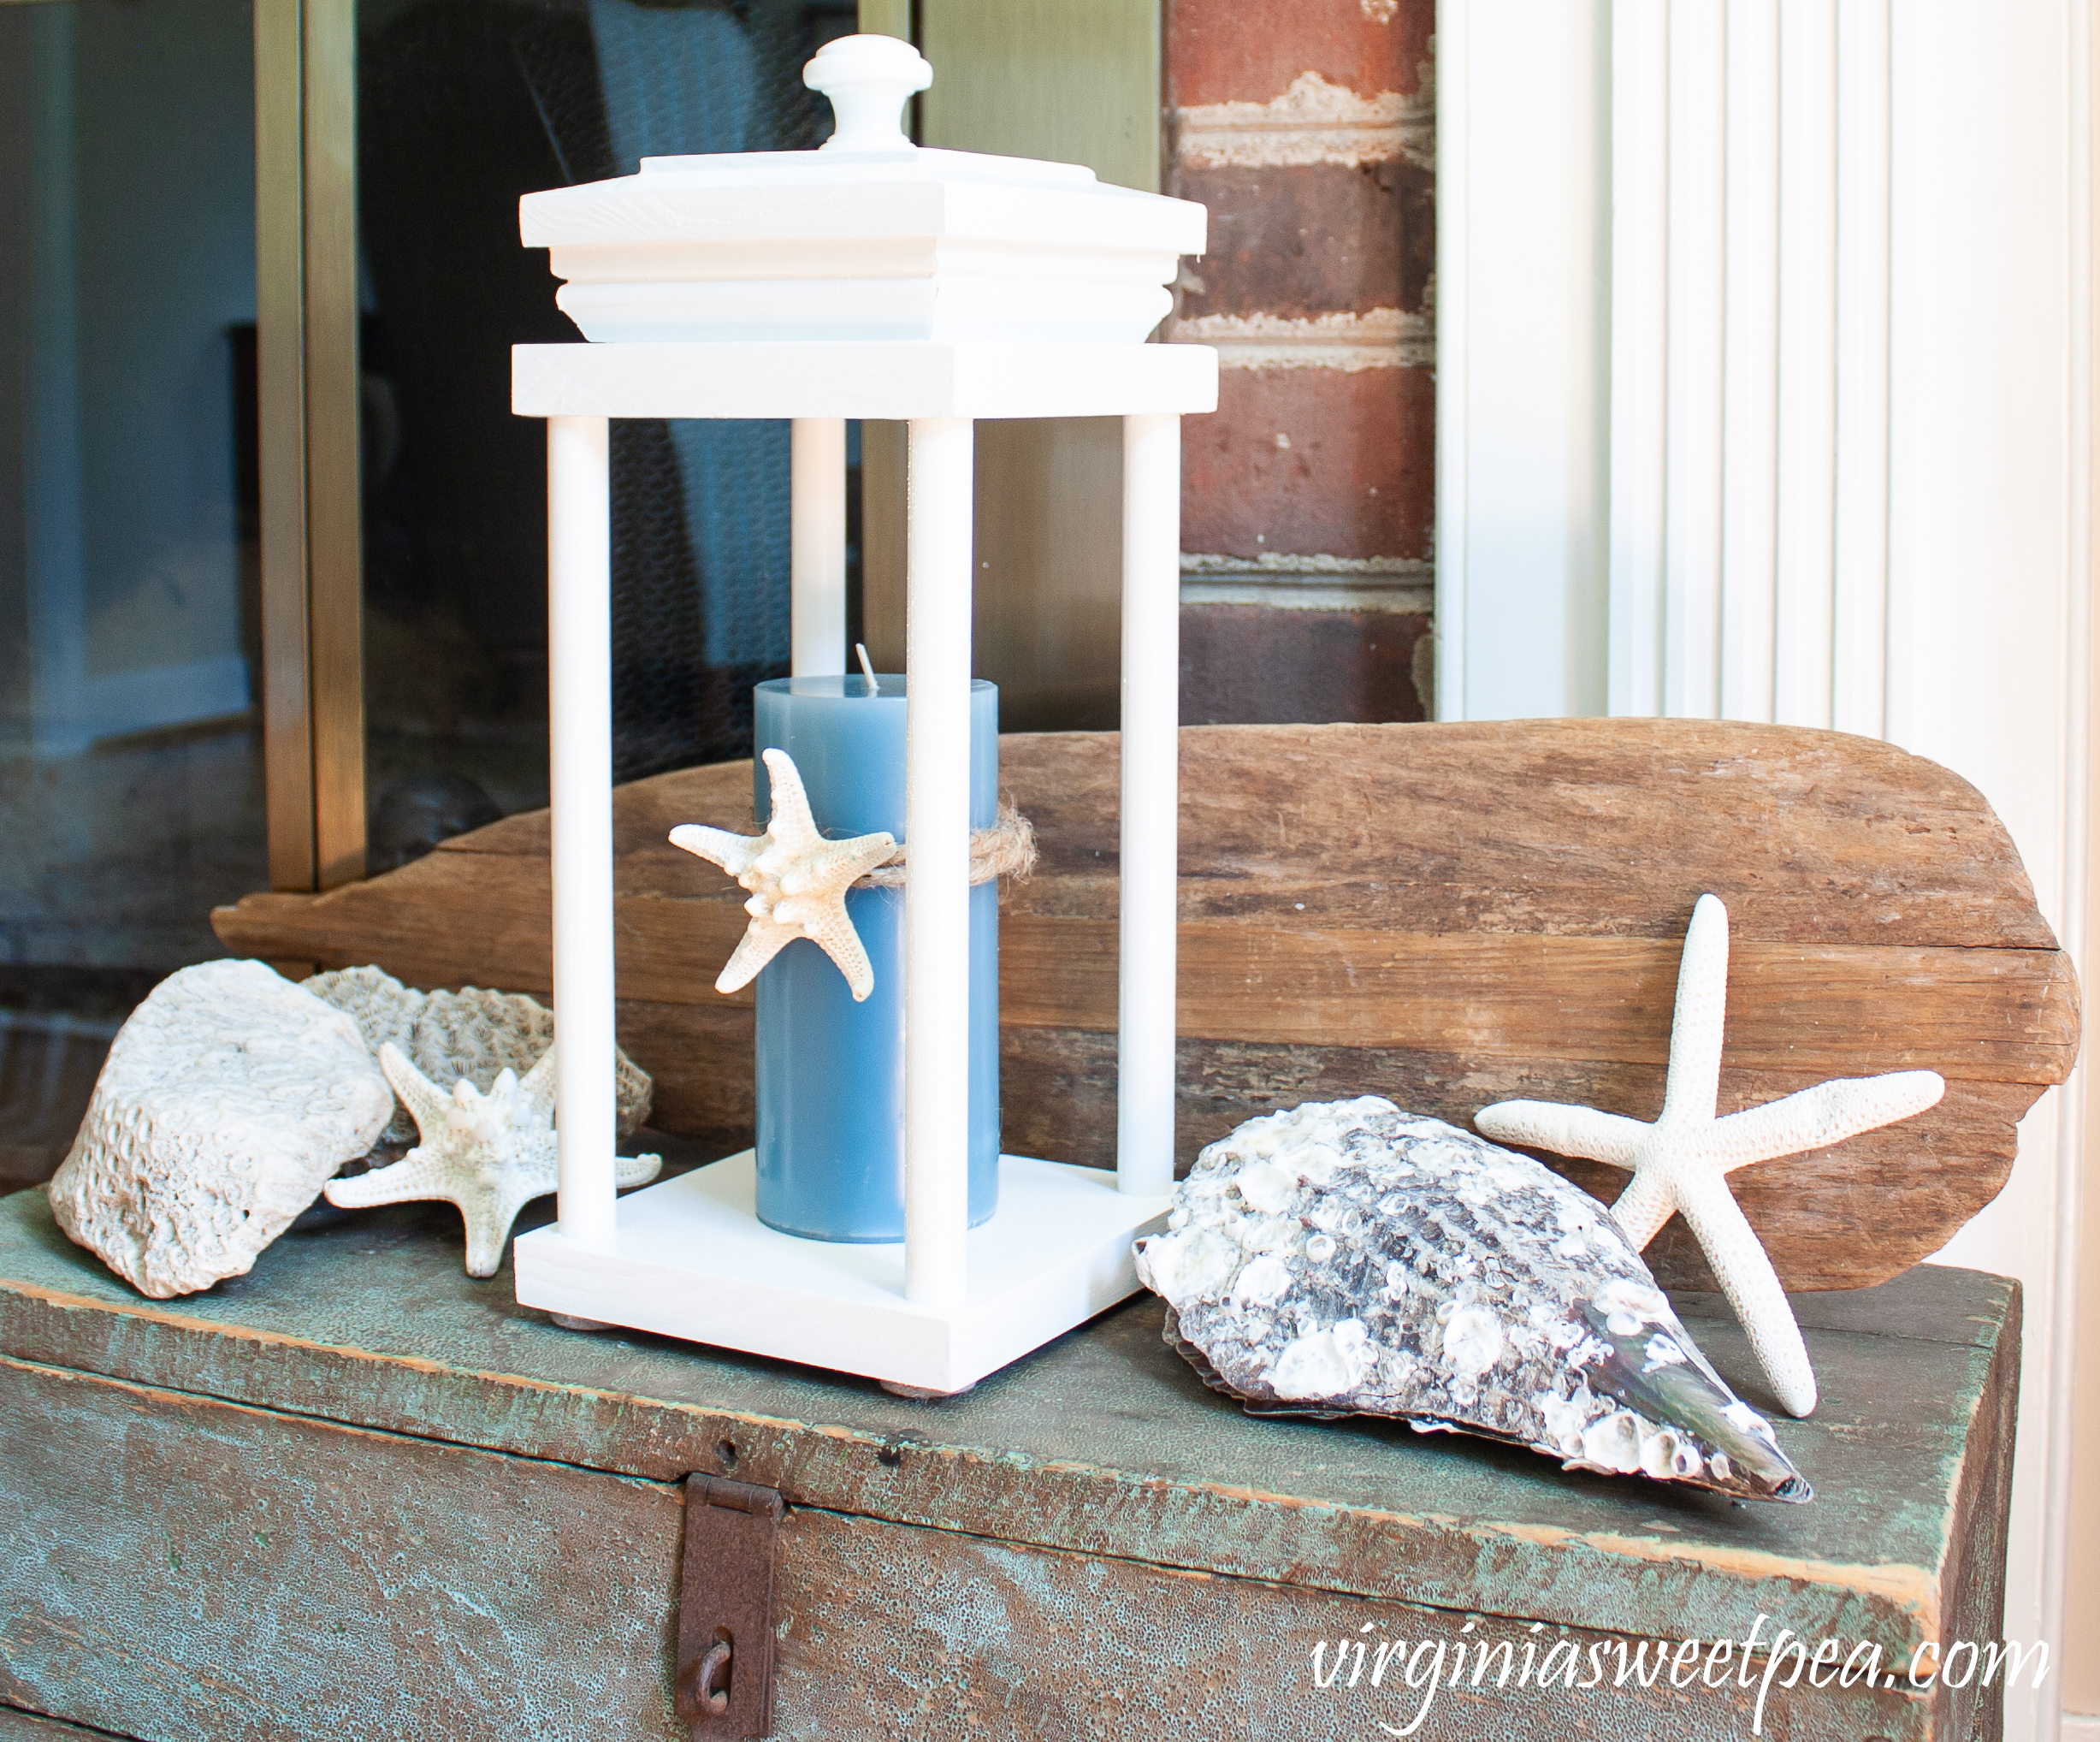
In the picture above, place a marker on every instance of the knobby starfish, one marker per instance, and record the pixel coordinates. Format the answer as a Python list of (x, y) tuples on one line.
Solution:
[(798, 882), (1680, 1163), (490, 1154)]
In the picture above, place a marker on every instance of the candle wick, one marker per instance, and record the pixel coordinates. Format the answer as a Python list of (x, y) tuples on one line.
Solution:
[(867, 667)]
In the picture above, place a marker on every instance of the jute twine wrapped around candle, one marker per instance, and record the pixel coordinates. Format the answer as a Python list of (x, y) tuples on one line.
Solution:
[(1007, 849)]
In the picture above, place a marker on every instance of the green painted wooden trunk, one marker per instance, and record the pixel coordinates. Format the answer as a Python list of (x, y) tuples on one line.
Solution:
[(356, 1495)]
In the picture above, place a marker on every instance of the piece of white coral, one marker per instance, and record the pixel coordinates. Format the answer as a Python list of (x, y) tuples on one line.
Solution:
[(474, 1033)]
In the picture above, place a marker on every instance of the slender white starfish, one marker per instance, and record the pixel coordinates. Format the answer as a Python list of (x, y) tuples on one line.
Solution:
[(1680, 1161), (490, 1154), (797, 880)]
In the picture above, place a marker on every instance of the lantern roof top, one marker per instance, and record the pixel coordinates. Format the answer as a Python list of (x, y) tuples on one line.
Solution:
[(891, 186)]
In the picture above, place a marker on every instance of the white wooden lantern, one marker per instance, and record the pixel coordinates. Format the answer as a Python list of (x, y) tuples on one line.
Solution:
[(868, 279)]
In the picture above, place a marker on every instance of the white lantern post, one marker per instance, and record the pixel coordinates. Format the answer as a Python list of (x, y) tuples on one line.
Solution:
[(868, 279), (817, 566), (1151, 785), (579, 657)]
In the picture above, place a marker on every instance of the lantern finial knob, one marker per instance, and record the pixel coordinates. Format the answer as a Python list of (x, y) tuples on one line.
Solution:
[(869, 79)]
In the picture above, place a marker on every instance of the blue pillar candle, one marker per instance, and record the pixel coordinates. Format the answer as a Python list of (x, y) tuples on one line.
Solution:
[(830, 1072)]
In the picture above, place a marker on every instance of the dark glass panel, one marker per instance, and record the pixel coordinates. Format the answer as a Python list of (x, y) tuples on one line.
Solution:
[(464, 106), (130, 758)]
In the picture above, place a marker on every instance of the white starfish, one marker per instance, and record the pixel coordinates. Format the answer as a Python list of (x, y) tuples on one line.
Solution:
[(1680, 1162), (797, 880), (490, 1154)]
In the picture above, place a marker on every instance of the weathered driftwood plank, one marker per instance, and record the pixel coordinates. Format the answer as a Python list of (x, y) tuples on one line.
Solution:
[(1106, 1444), (1450, 915), (1921, 1174), (1846, 1008)]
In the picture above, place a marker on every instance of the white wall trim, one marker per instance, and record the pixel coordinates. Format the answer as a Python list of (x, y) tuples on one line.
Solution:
[(1522, 348), (1453, 515), (1807, 499), (1750, 323), (1860, 459), (1639, 298), (2076, 926), (1751, 192), (154, 696), (118, 704), (1803, 583)]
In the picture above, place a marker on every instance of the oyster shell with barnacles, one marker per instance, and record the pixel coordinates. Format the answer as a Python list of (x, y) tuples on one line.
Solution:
[(1349, 1259)]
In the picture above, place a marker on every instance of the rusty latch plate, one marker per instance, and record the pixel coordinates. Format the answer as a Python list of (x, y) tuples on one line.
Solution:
[(724, 1684)]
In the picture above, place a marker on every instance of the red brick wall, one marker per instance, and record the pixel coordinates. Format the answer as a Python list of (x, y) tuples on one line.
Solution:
[(1306, 127)]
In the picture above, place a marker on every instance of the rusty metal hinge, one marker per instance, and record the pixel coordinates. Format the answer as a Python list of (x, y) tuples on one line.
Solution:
[(724, 1684)]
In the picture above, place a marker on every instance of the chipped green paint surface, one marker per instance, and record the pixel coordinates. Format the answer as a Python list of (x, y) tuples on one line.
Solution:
[(1105, 1443), (27, 1727), (940, 1634), (416, 1591), (326, 1581)]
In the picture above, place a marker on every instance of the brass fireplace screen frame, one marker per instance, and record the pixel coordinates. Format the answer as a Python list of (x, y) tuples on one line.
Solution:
[(305, 148), (312, 676), (306, 313)]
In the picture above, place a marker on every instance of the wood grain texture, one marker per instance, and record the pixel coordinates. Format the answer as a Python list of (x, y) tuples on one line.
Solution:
[(1449, 915), (1926, 1173), (1999, 1016), (179, 1567), (1105, 1443), (268, 1578), (900, 1632)]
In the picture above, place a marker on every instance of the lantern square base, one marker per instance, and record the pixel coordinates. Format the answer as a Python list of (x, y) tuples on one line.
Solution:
[(691, 1260)]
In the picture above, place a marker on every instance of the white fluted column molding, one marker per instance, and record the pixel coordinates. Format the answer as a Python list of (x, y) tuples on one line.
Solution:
[(1749, 391)]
